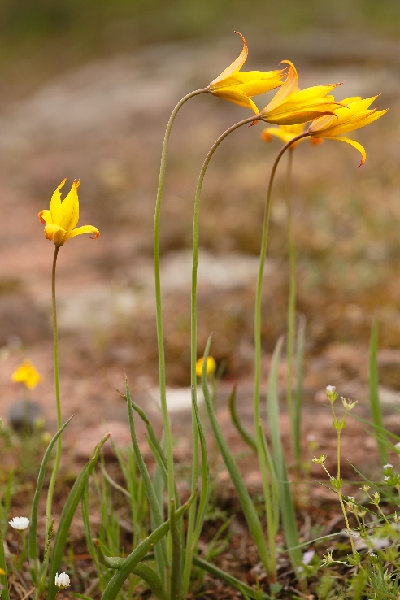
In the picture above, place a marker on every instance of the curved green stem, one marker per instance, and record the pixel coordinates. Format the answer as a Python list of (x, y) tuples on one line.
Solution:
[(157, 285), (193, 337), (57, 390), (291, 313), (257, 309)]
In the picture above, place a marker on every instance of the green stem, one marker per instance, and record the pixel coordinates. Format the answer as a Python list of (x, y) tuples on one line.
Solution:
[(193, 344), (353, 548), (157, 285), (57, 390), (291, 311), (257, 309)]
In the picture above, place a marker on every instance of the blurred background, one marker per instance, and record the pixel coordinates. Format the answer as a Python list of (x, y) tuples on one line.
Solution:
[(86, 89)]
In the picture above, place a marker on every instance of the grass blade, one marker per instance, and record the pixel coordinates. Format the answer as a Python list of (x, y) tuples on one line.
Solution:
[(67, 515), (246, 502), (244, 434), (32, 535), (126, 565), (299, 393), (241, 587), (155, 508), (3, 565), (289, 521)]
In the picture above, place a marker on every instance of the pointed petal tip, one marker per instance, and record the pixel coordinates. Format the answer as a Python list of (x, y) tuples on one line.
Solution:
[(96, 236), (243, 40)]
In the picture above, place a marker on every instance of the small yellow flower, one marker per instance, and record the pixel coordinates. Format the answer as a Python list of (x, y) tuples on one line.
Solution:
[(290, 106), (352, 115), (210, 366), (27, 374), (239, 87), (63, 216)]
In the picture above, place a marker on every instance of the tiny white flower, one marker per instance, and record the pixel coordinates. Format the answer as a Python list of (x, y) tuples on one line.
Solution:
[(397, 445), (331, 388), (19, 523), (388, 466), (386, 478), (62, 580)]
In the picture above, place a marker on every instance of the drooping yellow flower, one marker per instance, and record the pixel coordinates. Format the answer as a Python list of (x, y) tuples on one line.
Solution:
[(290, 106), (26, 374), (239, 87), (287, 133), (210, 366), (63, 216), (354, 114)]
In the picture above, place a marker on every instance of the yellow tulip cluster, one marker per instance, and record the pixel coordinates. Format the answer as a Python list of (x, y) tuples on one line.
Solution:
[(292, 108)]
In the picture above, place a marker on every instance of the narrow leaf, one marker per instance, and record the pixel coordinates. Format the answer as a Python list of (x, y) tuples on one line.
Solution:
[(67, 515)]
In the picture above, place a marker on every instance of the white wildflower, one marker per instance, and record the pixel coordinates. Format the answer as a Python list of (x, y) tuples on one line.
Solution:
[(19, 523), (330, 388), (388, 466), (62, 580)]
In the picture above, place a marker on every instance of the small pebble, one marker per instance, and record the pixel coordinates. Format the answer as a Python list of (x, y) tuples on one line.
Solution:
[(24, 415)]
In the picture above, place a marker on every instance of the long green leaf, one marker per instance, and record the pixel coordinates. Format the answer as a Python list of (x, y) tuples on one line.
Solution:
[(241, 587), (3, 565), (299, 392), (176, 576), (32, 535), (66, 517), (246, 502), (289, 521), (373, 384), (244, 434), (205, 473), (156, 509), (125, 567)]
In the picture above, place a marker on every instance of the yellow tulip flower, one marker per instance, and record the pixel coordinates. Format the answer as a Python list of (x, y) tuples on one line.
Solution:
[(26, 374), (290, 106), (63, 216), (354, 114), (239, 87), (210, 366), (287, 133)]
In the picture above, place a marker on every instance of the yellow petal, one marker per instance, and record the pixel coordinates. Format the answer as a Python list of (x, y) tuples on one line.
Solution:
[(84, 229), (290, 85), (55, 203), (308, 95), (45, 216), (345, 125), (234, 67), (258, 84), (70, 208), (297, 116), (355, 145), (237, 97), (56, 233), (278, 132), (349, 100)]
